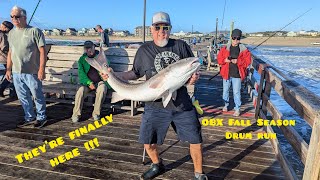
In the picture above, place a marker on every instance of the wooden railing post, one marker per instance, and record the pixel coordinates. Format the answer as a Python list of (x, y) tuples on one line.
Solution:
[(209, 59), (312, 167), (260, 88), (266, 91)]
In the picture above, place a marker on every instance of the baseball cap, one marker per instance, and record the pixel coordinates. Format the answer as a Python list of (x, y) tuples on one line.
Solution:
[(8, 24), (236, 33), (88, 44), (161, 17)]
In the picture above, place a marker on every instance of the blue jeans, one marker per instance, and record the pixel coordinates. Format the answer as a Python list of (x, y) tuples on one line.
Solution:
[(27, 85), (5, 83), (236, 87)]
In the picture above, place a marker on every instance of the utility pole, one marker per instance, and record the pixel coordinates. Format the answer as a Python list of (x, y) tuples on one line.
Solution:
[(192, 30), (144, 22), (216, 38), (231, 28)]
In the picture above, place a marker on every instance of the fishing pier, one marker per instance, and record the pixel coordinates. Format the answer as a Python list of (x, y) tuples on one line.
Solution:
[(112, 150)]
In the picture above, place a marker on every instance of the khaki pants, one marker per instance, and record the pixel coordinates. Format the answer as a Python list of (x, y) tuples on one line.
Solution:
[(82, 92)]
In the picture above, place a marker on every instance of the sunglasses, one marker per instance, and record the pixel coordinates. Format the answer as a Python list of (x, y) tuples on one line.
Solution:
[(236, 38), (15, 17), (164, 28)]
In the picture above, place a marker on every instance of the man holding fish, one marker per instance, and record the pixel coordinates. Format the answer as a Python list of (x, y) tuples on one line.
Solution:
[(171, 104)]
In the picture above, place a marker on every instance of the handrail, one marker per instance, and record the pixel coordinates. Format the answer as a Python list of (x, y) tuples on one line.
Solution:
[(303, 101)]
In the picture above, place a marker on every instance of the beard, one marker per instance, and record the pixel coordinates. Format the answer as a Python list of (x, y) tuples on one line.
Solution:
[(163, 42)]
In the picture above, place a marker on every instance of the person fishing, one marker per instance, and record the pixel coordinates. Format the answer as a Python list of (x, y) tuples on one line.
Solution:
[(151, 58), (234, 58)]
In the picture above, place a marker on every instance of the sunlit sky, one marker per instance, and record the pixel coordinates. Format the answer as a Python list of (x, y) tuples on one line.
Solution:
[(248, 15)]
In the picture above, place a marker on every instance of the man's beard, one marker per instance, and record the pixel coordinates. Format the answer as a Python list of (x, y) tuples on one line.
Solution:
[(163, 42)]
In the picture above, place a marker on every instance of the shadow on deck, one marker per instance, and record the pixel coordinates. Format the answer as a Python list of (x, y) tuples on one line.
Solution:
[(119, 155)]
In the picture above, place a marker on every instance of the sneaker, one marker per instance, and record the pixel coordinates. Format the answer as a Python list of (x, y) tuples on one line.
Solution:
[(155, 170), (40, 124), (96, 117), (25, 123), (75, 119), (225, 109), (201, 177), (236, 113)]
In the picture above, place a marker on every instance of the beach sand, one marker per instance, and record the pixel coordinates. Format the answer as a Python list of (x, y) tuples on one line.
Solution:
[(274, 41), (282, 41)]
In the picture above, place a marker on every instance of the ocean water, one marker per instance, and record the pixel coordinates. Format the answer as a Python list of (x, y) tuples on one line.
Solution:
[(302, 64)]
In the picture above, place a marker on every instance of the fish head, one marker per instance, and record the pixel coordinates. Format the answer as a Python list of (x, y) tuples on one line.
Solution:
[(184, 68), (99, 62)]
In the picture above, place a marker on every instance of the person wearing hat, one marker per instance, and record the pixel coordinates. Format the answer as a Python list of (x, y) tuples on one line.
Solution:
[(5, 27), (26, 66), (234, 59), (152, 57), (89, 80)]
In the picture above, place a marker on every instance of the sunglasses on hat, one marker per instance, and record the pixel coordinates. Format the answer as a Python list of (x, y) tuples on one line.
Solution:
[(236, 38)]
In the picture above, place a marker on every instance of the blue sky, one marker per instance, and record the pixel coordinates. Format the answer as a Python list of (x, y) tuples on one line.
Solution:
[(248, 15)]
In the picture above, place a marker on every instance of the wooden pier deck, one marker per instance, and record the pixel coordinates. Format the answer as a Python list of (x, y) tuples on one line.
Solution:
[(119, 155)]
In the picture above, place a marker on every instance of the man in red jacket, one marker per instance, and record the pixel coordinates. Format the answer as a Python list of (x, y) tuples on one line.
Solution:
[(234, 59)]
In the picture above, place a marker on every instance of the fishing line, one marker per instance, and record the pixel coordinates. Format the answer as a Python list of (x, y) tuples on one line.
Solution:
[(47, 27), (34, 11), (282, 28)]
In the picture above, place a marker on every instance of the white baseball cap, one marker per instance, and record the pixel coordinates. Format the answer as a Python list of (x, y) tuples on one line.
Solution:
[(161, 17)]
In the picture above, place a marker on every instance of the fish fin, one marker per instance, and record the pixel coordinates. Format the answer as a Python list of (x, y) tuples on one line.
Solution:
[(116, 98), (157, 83), (166, 97), (174, 95)]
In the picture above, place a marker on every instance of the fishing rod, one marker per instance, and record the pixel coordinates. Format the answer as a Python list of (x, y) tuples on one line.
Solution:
[(34, 12), (282, 28)]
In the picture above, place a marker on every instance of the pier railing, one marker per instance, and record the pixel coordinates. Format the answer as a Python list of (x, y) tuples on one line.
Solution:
[(303, 101)]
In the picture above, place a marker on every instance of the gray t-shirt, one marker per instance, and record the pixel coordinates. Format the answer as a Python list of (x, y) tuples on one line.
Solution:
[(24, 45)]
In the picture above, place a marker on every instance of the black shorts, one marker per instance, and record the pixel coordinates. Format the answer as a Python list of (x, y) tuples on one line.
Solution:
[(155, 123)]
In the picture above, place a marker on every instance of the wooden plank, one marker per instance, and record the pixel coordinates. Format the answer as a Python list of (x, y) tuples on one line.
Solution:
[(288, 170), (62, 64), (116, 161), (257, 109), (79, 50), (64, 57), (266, 96), (65, 78), (292, 136), (212, 161), (61, 70), (75, 57), (60, 85), (312, 166)]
